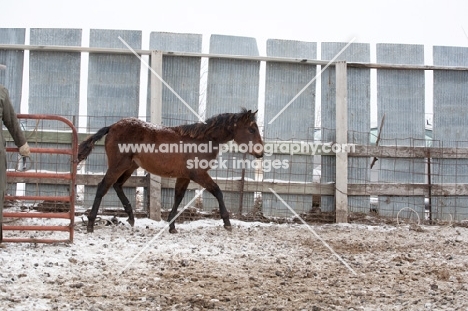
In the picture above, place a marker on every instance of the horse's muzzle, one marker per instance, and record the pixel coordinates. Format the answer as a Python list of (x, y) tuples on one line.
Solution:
[(258, 156)]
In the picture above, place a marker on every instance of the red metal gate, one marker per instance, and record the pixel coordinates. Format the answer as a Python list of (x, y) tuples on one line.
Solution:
[(24, 176)]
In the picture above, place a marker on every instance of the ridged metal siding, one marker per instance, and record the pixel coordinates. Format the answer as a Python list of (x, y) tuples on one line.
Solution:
[(12, 76), (283, 82), (358, 81), (183, 75), (232, 84), (450, 129), (400, 97), (54, 88), (113, 94)]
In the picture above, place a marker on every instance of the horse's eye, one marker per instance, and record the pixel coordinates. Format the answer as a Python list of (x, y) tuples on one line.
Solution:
[(251, 130)]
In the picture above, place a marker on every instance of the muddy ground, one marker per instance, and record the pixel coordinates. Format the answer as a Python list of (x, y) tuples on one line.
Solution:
[(257, 266)]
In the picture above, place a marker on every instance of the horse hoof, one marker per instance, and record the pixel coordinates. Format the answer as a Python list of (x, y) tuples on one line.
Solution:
[(90, 229), (173, 230), (228, 228), (131, 222)]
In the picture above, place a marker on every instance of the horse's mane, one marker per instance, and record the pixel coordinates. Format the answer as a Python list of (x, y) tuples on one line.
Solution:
[(217, 128)]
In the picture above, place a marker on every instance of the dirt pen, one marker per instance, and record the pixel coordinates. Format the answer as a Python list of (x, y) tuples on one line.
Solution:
[(257, 266)]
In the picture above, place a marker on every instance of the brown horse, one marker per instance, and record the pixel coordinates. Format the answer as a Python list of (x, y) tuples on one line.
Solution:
[(202, 139)]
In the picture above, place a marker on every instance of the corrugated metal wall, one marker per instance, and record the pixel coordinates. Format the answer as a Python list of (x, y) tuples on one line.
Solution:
[(113, 94), (400, 97), (450, 129), (54, 88), (12, 77), (282, 83), (358, 118), (183, 75), (232, 84)]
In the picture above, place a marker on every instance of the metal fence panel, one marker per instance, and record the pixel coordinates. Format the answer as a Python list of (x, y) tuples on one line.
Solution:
[(232, 84), (183, 75), (12, 76), (113, 94), (283, 82), (54, 88), (400, 97), (113, 80), (450, 130), (54, 77), (358, 119)]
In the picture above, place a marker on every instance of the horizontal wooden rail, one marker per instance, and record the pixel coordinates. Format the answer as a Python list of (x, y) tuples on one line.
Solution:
[(403, 189), (79, 49), (409, 152)]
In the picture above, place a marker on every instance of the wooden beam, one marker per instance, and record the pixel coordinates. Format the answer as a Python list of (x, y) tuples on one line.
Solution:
[(404, 67), (408, 152), (80, 49), (156, 118), (399, 189), (341, 181), (262, 186)]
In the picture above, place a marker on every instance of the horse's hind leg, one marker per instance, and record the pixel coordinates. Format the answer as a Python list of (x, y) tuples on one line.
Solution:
[(102, 189), (207, 182), (118, 187), (180, 188)]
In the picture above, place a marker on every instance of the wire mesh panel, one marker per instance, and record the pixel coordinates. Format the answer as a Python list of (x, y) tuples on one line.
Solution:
[(183, 76), (295, 125), (358, 118), (12, 76), (450, 129), (400, 98), (232, 84), (113, 94)]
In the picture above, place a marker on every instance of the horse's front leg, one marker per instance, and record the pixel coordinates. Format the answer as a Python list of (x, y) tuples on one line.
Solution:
[(180, 188), (207, 182)]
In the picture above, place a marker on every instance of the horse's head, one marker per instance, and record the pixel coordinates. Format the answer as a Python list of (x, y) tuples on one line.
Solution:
[(246, 133)]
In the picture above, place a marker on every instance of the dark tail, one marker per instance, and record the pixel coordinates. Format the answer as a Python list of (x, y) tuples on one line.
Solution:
[(85, 148)]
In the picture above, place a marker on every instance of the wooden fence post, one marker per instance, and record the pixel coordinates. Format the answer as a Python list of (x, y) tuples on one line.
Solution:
[(341, 185), (154, 187)]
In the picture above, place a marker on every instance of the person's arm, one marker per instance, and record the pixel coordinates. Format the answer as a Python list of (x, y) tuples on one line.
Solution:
[(12, 123)]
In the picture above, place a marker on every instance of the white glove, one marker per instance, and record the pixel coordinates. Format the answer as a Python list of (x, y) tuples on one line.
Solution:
[(24, 150)]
